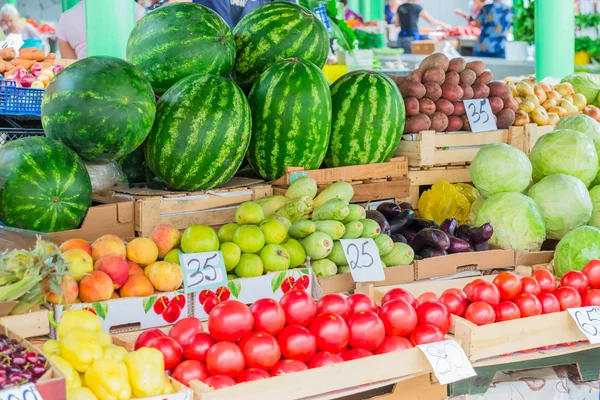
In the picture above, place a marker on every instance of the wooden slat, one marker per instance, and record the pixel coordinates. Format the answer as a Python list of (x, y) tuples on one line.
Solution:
[(381, 190), (455, 175), (472, 139), (28, 325), (533, 132)]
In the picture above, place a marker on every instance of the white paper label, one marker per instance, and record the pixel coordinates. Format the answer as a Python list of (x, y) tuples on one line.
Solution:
[(203, 270), (23, 392), (480, 115), (588, 321), (14, 41), (363, 259), (448, 360)]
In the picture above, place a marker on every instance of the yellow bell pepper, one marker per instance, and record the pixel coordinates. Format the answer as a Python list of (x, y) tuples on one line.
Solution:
[(72, 379), (82, 376), (168, 389), (81, 348), (108, 380), (146, 368), (81, 394), (104, 339), (51, 347), (80, 319), (113, 352)]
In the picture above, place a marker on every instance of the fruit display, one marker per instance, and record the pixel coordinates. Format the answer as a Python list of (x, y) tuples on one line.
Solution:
[(32, 68), (19, 364), (433, 94)]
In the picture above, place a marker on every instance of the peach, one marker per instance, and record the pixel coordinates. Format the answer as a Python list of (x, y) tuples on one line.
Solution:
[(166, 237), (76, 244), (80, 263), (69, 289), (115, 267), (134, 268), (165, 276), (96, 286), (136, 286), (108, 245), (142, 251), (115, 296)]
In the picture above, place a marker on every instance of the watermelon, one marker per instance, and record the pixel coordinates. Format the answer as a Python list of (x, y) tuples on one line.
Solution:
[(201, 133), (291, 118), (368, 119), (44, 185), (101, 107), (275, 31), (134, 167), (179, 40)]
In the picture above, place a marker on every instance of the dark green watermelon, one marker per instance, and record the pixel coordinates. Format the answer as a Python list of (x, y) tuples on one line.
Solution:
[(179, 40), (44, 185), (201, 133), (368, 119), (291, 118), (275, 31), (135, 168), (101, 107)]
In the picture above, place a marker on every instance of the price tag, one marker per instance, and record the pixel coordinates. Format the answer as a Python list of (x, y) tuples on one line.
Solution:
[(363, 258), (296, 175), (23, 392), (14, 41), (203, 271), (588, 321), (480, 115), (448, 360)]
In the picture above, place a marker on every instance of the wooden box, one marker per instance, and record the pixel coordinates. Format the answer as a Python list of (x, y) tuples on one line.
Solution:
[(32, 324), (532, 133), (343, 283)]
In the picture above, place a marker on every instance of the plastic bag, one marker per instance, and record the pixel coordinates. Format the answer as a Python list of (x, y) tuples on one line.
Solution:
[(443, 201), (104, 176), (469, 191)]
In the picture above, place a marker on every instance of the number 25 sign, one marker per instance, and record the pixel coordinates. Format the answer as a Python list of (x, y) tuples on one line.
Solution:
[(363, 259)]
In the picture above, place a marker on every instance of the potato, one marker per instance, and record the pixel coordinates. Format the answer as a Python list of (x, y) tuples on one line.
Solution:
[(553, 95), (434, 60), (592, 111), (506, 118), (540, 116), (412, 88), (549, 103), (397, 79), (417, 124), (558, 110), (457, 64), (496, 103), (477, 66), (511, 103), (467, 77), (443, 105), (439, 122), (521, 118), (545, 87), (567, 105), (539, 92), (466, 124), (524, 88), (481, 91), (513, 89), (454, 123), (499, 89), (433, 91), (459, 109), (527, 106), (568, 98), (452, 77), (533, 98), (417, 75), (553, 118), (468, 92), (485, 78), (435, 75), (426, 106), (564, 89), (579, 101), (412, 106), (452, 92)]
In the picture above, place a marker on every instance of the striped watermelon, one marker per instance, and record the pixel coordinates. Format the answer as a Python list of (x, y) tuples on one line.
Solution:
[(101, 107), (179, 40), (291, 118), (201, 133), (368, 119), (275, 31), (44, 185)]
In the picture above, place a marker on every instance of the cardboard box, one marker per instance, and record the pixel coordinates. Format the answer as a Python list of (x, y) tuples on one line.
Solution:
[(343, 283), (423, 46), (473, 261)]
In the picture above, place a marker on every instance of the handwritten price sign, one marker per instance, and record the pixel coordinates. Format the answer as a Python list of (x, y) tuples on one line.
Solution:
[(480, 115), (203, 271), (448, 360), (588, 321), (24, 392), (363, 258)]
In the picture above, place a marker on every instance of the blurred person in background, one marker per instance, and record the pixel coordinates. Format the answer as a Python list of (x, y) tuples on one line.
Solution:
[(407, 19), (475, 7), (233, 11), (13, 23), (391, 8), (495, 21), (351, 14)]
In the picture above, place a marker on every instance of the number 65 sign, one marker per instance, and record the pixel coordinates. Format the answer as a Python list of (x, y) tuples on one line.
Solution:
[(363, 258)]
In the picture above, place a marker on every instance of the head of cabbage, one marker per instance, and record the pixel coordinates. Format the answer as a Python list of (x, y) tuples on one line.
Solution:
[(517, 220), (595, 196), (564, 151), (565, 203), (498, 168), (584, 83), (586, 125), (576, 249)]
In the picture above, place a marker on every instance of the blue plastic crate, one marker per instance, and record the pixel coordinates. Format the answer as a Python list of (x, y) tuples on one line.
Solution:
[(20, 101)]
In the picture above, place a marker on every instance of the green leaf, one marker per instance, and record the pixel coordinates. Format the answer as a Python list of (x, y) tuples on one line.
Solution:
[(277, 280), (101, 309), (342, 36), (304, 271), (148, 303), (235, 288)]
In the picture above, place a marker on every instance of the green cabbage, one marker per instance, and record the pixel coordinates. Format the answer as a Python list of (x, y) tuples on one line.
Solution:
[(576, 249), (586, 125), (517, 220), (595, 196), (565, 203), (475, 209), (564, 151), (498, 168), (586, 84)]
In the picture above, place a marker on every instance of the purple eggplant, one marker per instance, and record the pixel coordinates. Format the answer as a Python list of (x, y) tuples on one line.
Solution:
[(409, 234), (448, 226), (430, 237), (402, 221), (419, 223), (458, 245), (389, 209), (380, 219), (399, 238), (405, 206), (462, 232), (481, 233), (429, 252), (484, 246)]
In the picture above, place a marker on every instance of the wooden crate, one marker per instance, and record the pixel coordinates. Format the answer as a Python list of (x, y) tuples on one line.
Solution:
[(532, 133), (371, 182), (432, 149), (31, 324), (427, 176)]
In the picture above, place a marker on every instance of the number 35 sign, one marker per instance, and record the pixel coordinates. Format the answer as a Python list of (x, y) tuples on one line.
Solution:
[(203, 271), (480, 115), (363, 258)]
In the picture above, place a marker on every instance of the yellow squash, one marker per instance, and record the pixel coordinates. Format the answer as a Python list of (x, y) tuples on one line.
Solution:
[(108, 380)]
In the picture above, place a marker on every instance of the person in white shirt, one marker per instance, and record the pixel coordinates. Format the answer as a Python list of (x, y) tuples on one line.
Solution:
[(13, 23)]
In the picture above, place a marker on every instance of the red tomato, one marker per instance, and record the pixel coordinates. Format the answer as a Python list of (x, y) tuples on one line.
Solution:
[(355, 354), (508, 284), (485, 291), (591, 298), (428, 296), (171, 350), (455, 303), (424, 334), (399, 318), (331, 332), (552, 346), (592, 272), (299, 307), (252, 374), (366, 330), (260, 349), (268, 316), (507, 310), (546, 280), (361, 302), (397, 293), (287, 367), (219, 381), (456, 291), (324, 358), (230, 321), (297, 343), (333, 303), (530, 285), (549, 302), (568, 297), (529, 305), (480, 313), (393, 343), (190, 370), (225, 358), (184, 329), (575, 279), (148, 336), (417, 303), (435, 314), (198, 346), (469, 287)]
